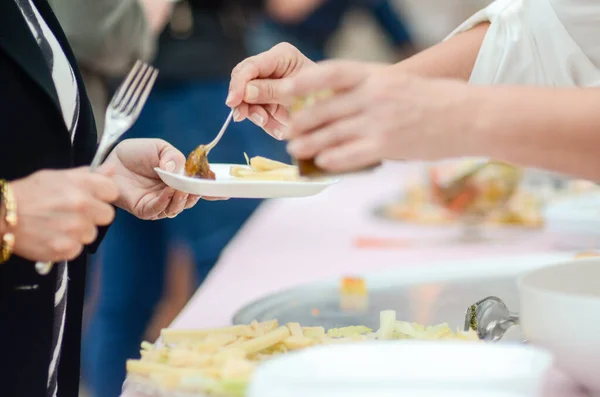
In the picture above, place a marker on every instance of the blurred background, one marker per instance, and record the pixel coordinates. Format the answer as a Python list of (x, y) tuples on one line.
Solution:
[(145, 274)]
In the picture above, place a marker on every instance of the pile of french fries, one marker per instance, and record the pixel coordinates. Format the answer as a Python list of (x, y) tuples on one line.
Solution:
[(264, 169), (222, 361)]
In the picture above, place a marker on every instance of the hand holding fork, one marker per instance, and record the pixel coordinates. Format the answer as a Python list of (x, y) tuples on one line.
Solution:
[(122, 112)]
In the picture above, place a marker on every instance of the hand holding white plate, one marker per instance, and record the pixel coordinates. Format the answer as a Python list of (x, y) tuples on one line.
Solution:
[(226, 185)]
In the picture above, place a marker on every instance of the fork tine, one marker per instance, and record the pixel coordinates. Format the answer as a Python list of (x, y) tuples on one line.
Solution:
[(127, 108), (118, 96), (142, 100), (131, 87)]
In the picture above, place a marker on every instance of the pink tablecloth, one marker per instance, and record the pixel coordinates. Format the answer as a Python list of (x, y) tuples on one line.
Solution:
[(295, 241)]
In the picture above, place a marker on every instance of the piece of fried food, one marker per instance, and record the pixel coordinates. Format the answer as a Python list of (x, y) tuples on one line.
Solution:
[(259, 164), (264, 169), (197, 165)]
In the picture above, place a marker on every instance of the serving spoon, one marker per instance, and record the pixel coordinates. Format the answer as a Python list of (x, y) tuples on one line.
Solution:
[(490, 318)]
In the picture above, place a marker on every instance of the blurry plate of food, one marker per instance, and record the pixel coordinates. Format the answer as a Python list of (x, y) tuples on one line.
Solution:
[(523, 209), (260, 178), (222, 362)]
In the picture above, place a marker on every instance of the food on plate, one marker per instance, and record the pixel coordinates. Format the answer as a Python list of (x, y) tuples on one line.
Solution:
[(475, 189), (264, 169), (308, 167), (523, 209), (197, 165), (353, 294), (221, 361)]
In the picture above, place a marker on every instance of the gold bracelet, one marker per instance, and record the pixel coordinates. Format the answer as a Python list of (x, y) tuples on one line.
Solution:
[(10, 205)]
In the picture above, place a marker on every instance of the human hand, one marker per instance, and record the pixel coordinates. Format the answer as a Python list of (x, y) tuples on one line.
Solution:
[(376, 116), (143, 193), (254, 91), (58, 212)]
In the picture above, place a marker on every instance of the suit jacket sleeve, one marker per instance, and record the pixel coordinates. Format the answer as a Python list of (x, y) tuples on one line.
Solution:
[(106, 35)]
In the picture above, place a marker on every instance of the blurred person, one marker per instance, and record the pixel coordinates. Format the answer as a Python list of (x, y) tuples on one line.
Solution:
[(421, 108), (52, 208), (107, 37), (199, 45), (311, 24)]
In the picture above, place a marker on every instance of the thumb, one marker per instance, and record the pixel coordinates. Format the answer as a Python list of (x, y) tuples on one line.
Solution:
[(171, 159), (267, 91)]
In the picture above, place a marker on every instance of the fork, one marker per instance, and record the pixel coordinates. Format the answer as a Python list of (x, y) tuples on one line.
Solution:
[(214, 142), (123, 110)]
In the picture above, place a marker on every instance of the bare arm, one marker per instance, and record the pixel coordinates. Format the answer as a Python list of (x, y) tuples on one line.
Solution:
[(553, 128), (453, 58)]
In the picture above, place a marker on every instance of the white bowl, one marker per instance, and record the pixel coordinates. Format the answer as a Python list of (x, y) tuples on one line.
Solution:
[(560, 311), (404, 368)]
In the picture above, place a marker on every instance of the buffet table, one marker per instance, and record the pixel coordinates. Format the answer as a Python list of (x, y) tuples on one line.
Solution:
[(297, 241)]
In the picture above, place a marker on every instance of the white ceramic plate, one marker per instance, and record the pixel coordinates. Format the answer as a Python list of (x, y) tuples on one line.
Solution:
[(227, 186), (388, 369)]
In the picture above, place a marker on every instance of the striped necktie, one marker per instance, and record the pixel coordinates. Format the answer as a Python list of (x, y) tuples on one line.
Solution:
[(60, 311)]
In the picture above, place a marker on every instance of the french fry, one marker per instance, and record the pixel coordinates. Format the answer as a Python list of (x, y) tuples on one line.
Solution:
[(237, 369), (186, 358), (280, 174), (239, 171), (204, 361), (298, 342), (228, 354), (295, 329), (170, 336), (260, 164), (314, 332), (268, 326), (263, 169), (147, 346), (145, 368), (220, 340), (264, 342)]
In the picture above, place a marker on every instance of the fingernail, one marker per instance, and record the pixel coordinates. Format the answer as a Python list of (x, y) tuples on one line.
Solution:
[(236, 115), (229, 99), (170, 166), (293, 147), (257, 119), (322, 161), (251, 92), (278, 134)]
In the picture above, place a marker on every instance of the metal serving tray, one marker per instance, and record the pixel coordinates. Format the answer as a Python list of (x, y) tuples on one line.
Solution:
[(426, 295)]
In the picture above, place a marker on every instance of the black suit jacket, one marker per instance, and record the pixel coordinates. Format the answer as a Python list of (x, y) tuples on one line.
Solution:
[(33, 136)]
